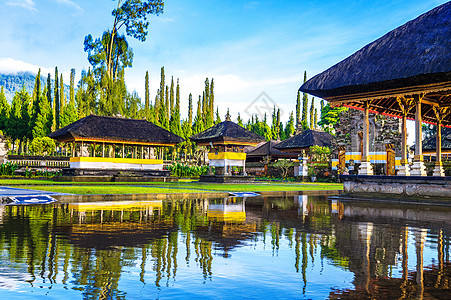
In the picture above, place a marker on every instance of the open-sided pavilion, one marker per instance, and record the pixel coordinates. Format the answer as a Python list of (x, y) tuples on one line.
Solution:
[(406, 73)]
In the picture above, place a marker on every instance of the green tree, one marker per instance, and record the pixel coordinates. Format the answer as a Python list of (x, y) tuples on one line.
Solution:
[(190, 109), (56, 102), (218, 117), (198, 125), (162, 85), (4, 110), (298, 109), (72, 86), (289, 128), (42, 145), (19, 120), (49, 100), (86, 96), (315, 119), (42, 124), (304, 101), (175, 118), (312, 114), (35, 105), (171, 97), (330, 116), (239, 120), (147, 97), (131, 15)]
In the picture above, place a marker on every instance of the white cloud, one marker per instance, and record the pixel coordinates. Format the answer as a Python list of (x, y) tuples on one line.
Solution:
[(13, 66), (69, 3), (27, 4)]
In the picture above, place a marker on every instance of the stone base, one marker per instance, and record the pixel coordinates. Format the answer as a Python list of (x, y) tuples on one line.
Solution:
[(114, 172), (404, 170), (438, 171), (365, 168), (418, 169), (401, 188), (226, 178), (114, 179)]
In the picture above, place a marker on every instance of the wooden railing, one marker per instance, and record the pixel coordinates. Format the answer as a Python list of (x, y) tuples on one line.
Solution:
[(39, 161)]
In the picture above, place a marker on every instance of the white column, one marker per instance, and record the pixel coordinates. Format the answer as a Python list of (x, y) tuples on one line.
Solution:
[(365, 166), (418, 167), (404, 169)]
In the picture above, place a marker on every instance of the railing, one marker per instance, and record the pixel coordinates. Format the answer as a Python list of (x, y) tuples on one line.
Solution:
[(38, 161)]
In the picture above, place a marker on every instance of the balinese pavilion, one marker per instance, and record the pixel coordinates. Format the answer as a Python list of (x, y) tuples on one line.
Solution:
[(108, 145), (406, 73), (226, 142), (301, 143)]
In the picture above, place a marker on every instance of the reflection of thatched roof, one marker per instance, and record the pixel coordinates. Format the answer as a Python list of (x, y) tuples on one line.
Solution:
[(306, 139), (429, 144), (414, 53), (267, 149), (227, 131), (116, 129)]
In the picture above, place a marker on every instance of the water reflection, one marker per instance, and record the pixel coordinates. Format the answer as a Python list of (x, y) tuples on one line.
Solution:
[(302, 246)]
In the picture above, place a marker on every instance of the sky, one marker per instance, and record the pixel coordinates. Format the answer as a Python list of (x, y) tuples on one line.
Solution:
[(256, 51)]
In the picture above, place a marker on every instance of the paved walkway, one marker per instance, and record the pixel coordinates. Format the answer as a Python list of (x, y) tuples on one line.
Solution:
[(9, 191)]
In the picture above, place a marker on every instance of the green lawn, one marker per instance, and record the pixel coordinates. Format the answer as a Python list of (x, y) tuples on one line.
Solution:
[(164, 187)]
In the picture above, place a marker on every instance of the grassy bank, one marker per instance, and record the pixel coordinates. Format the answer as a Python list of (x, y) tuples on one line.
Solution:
[(165, 187)]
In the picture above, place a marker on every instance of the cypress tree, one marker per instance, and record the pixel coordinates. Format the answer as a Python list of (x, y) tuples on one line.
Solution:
[(171, 99), (312, 114), (289, 128), (321, 110), (315, 120), (239, 120), (162, 85), (304, 102), (279, 124), (190, 109), (156, 108), (218, 117), (49, 99), (42, 124), (198, 120), (274, 124), (56, 97), (146, 97), (62, 95), (166, 104), (72, 87), (298, 109), (212, 97), (35, 108)]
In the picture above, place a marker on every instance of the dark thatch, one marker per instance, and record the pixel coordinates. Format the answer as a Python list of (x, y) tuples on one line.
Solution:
[(416, 53), (226, 131), (306, 139), (267, 149), (116, 129), (430, 144)]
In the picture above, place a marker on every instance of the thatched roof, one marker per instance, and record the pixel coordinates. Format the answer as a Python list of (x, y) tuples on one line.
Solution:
[(226, 131), (306, 139), (429, 144), (411, 59), (268, 149), (417, 52), (99, 128)]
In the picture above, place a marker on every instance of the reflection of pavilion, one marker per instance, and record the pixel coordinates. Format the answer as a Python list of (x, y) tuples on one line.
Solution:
[(378, 246), (228, 210)]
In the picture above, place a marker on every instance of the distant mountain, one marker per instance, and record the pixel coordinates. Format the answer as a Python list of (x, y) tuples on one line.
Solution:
[(14, 82)]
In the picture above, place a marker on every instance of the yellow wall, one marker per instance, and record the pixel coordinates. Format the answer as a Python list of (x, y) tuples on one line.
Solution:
[(118, 160), (227, 155)]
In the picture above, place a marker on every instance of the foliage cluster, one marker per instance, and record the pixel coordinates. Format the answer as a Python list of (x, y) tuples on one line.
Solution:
[(8, 169), (184, 170)]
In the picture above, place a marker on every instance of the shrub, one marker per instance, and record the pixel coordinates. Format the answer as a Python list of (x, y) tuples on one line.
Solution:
[(8, 169), (183, 170)]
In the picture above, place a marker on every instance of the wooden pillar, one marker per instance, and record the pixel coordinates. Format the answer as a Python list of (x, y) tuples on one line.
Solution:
[(440, 113), (73, 149), (418, 167), (82, 146), (123, 151), (103, 149), (365, 166), (142, 152)]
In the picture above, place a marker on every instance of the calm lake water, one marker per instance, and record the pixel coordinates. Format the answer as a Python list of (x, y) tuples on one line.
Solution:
[(306, 247)]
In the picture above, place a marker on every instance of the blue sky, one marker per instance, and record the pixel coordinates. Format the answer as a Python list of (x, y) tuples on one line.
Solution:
[(248, 47)]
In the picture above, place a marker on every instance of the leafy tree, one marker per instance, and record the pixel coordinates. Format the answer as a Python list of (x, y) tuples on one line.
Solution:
[(133, 105), (19, 120), (42, 124), (42, 145), (72, 86), (175, 118), (198, 125), (171, 96), (86, 96), (132, 15), (218, 117), (49, 100), (284, 165), (4, 110), (162, 84), (315, 119), (282, 134), (190, 109), (330, 116)]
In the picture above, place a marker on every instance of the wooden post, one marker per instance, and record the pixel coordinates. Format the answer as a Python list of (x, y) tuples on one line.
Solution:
[(365, 166), (406, 104), (418, 167), (103, 149), (82, 146), (123, 151), (440, 114)]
